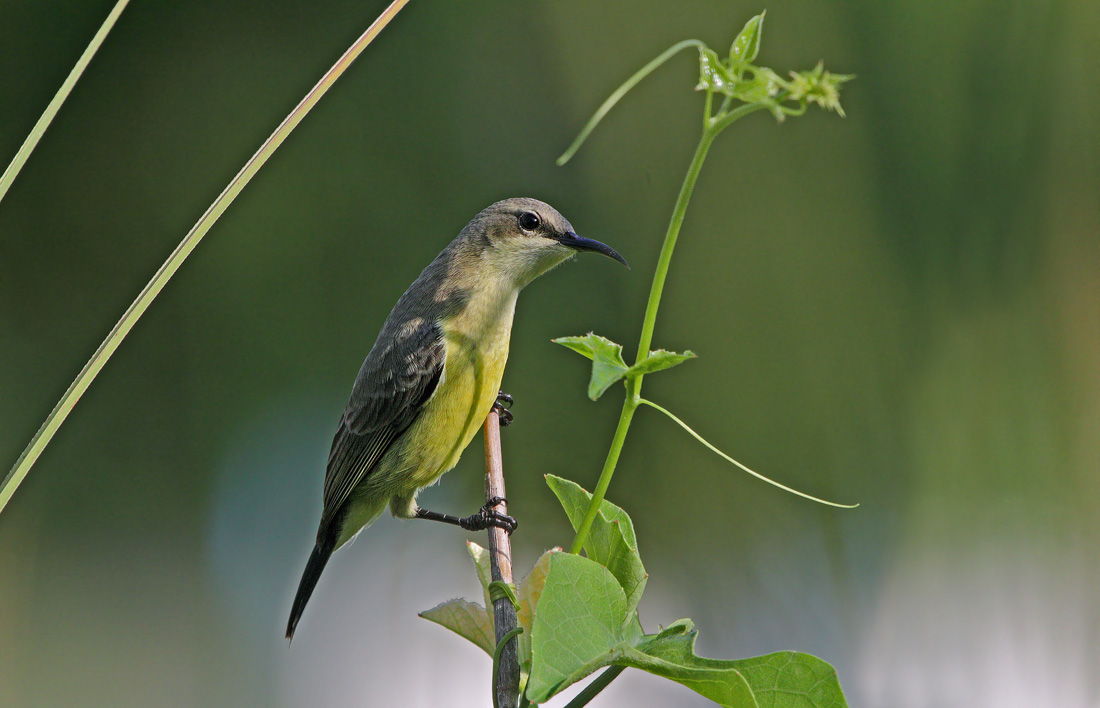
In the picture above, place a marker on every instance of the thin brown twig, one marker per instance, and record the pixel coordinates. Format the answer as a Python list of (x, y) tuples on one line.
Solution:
[(506, 682)]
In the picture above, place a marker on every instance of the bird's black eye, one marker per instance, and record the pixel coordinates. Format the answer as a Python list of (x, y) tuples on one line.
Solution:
[(529, 221)]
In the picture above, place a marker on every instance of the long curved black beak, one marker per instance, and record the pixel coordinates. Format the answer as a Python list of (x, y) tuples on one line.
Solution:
[(580, 243)]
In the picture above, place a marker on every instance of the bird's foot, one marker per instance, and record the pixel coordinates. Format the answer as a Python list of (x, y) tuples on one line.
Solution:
[(488, 516), (501, 405)]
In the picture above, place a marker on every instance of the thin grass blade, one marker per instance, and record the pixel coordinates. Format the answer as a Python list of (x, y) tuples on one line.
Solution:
[(180, 254), (54, 106)]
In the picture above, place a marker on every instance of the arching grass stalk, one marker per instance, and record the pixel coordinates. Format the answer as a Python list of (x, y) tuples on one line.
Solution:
[(39, 129), (133, 313), (758, 88)]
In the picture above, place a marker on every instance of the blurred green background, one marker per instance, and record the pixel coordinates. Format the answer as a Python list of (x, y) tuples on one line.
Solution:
[(900, 308)]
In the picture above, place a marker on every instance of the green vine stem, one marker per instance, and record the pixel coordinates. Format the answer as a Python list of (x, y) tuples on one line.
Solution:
[(712, 126), (742, 467), (759, 88), (598, 684), (621, 91), (496, 660)]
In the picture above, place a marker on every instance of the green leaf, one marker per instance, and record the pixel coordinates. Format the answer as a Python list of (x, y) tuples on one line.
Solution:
[(469, 619), (671, 653), (788, 679), (577, 627), (611, 541), (713, 74), (607, 360), (466, 619), (608, 365), (581, 624), (530, 591), (482, 567), (758, 85), (747, 45), (658, 360), (632, 628)]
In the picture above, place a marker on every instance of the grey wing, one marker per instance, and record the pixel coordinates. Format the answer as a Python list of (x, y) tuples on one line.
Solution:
[(392, 387)]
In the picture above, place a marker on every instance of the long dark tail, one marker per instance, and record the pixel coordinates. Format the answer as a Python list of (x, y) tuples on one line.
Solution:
[(317, 561)]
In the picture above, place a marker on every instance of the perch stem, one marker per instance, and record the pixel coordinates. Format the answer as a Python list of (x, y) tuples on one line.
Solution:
[(506, 680)]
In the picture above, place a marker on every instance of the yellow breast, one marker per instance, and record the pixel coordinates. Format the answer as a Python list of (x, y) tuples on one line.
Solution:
[(477, 350)]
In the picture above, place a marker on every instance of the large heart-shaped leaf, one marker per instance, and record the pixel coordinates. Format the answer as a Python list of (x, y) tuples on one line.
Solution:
[(671, 653), (581, 624), (577, 627), (789, 679), (610, 542)]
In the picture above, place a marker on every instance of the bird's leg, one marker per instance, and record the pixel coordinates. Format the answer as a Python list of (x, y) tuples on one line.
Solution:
[(501, 406), (485, 517)]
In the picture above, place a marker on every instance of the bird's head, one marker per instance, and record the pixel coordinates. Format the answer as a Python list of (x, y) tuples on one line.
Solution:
[(523, 238)]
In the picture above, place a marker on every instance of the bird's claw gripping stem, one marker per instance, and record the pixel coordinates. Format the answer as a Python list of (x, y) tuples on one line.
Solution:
[(501, 405), (489, 517), (486, 517)]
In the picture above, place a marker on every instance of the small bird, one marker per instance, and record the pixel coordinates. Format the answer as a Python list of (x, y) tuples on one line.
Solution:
[(433, 375)]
